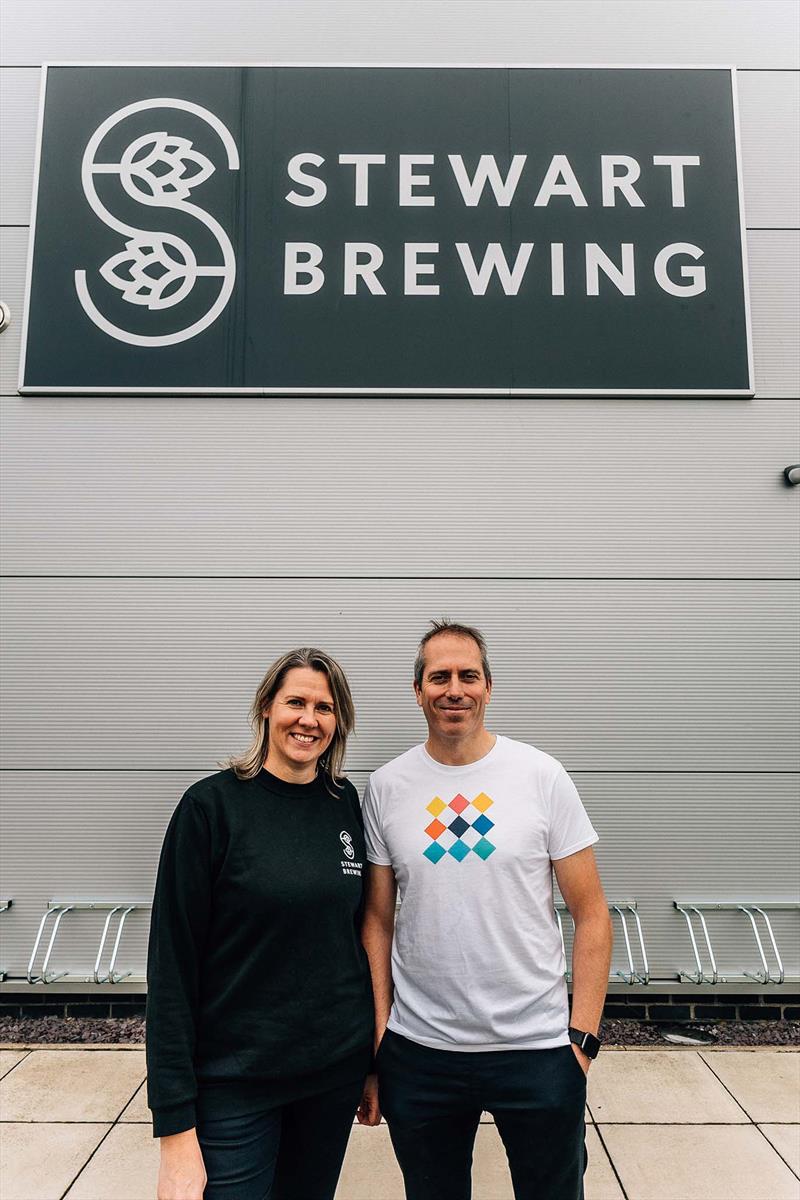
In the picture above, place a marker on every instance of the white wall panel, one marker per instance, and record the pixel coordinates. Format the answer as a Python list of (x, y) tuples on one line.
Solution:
[(19, 105), (769, 103), (624, 675), (774, 258), (177, 486), (769, 122), (694, 836), (614, 31)]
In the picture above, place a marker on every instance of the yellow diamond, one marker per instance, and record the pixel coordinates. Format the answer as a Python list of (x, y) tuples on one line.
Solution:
[(436, 805), (482, 802)]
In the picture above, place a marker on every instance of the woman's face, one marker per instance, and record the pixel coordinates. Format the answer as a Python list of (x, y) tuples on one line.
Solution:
[(302, 722)]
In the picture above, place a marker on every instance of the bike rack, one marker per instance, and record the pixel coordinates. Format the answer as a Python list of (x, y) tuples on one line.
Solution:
[(690, 909), (620, 907), (5, 905), (56, 911)]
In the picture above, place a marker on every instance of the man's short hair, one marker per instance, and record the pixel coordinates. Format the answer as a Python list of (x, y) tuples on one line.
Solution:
[(455, 627)]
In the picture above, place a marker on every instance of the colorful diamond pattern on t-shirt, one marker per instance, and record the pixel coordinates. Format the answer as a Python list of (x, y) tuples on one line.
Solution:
[(459, 828)]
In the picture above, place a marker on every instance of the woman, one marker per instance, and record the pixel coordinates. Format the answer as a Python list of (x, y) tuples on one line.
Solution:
[(259, 1007)]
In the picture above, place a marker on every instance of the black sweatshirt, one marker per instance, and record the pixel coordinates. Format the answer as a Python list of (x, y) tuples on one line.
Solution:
[(256, 975)]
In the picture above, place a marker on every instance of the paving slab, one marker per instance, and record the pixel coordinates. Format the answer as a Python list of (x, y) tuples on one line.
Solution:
[(698, 1162), (71, 1085), (491, 1179), (660, 1087), (38, 1162), (600, 1182), (124, 1168), (786, 1140), (765, 1082), (370, 1170), (9, 1059), (137, 1110)]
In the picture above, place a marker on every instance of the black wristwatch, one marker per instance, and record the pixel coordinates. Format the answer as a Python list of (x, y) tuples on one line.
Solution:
[(587, 1042)]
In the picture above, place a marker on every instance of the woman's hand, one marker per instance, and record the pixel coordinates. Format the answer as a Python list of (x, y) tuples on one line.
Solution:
[(368, 1112), (182, 1175)]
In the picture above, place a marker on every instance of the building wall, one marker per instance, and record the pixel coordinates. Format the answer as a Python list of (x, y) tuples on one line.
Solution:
[(633, 563)]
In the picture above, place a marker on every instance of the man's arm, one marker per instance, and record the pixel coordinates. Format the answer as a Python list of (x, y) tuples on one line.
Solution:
[(376, 934), (591, 952)]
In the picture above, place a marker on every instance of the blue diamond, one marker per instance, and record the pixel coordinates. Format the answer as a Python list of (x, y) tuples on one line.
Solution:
[(483, 824), (458, 850), (483, 848), (434, 852), (460, 826)]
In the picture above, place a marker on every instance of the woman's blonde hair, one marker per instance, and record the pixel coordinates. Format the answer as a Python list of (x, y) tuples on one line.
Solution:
[(249, 764)]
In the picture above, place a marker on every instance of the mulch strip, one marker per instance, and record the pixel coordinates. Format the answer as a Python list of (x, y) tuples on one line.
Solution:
[(130, 1030)]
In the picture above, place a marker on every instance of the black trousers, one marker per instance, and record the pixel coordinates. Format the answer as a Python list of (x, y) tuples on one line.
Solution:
[(433, 1100), (294, 1152)]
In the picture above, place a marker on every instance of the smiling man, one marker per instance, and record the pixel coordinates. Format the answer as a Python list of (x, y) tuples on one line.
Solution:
[(471, 1003)]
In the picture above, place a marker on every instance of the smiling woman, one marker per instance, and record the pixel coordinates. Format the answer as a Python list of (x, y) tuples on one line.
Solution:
[(304, 695), (256, 916)]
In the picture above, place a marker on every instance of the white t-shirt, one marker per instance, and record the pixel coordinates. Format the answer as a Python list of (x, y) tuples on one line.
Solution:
[(477, 961)]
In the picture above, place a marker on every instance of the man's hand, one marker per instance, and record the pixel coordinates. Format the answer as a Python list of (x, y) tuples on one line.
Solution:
[(182, 1175), (368, 1112), (583, 1059)]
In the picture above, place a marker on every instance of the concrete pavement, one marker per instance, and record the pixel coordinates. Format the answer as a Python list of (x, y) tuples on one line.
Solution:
[(671, 1124)]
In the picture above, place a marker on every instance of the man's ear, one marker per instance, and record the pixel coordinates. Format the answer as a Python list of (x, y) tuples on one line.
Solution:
[(418, 693), (488, 691)]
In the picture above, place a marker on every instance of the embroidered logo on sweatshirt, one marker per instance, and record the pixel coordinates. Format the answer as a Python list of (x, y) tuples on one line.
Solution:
[(459, 828)]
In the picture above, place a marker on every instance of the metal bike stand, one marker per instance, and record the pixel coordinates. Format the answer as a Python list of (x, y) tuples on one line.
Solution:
[(620, 907), (5, 905), (111, 976), (56, 911), (751, 910)]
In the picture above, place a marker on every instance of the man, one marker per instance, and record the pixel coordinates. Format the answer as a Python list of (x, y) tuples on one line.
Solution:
[(470, 997)]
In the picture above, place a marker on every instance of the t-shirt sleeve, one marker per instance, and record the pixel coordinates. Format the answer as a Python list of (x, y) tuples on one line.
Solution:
[(570, 827), (373, 833)]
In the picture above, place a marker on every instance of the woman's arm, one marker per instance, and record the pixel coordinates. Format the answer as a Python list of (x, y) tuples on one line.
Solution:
[(178, 930)]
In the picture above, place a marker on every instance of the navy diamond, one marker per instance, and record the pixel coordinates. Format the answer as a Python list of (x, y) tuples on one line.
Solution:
[(459, 826)]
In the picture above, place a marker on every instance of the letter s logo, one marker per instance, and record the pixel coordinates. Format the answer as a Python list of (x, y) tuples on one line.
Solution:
[(347, 843), (157, 269)]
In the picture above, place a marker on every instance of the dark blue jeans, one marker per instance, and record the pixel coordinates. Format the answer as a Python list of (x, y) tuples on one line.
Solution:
[(433, 1100), (294, 1152)]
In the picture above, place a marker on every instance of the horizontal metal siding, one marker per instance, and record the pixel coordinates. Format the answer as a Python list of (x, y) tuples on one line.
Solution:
[(583, 31), (551, 487), (696, 836), (623, 675), (769, 108)]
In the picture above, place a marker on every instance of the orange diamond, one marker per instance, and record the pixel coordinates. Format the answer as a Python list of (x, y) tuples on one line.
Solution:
[(435, 807), (435, 829), (482, 802)]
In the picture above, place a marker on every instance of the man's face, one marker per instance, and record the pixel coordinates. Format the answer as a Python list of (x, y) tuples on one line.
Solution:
[(454, 691)]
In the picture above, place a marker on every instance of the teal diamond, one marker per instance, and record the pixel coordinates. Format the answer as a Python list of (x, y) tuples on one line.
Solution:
[(484, 848), (434, 852), (459, 851)]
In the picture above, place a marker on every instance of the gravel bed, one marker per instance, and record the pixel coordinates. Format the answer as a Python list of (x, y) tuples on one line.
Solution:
[(110, 1030)]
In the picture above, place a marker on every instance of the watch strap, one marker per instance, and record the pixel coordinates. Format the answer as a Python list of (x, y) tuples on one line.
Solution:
[(586, 1042)]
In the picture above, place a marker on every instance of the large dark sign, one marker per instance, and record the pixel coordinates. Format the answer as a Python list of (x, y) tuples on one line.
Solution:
[(522, 230)]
